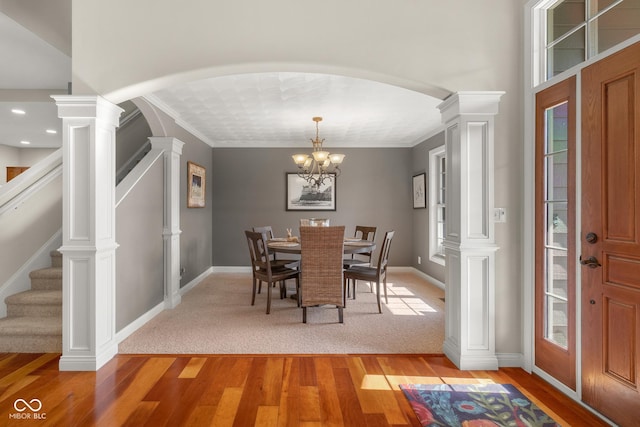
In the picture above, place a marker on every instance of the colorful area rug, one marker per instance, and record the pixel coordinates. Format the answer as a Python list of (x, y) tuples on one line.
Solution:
[(473, 405)]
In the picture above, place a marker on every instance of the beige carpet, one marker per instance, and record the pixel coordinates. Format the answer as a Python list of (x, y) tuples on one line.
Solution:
[(216, 317)]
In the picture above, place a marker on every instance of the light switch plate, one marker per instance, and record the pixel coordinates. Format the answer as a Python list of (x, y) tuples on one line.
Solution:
[(500, 215)]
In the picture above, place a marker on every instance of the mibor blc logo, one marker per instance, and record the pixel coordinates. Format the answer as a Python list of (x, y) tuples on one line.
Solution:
[(27, 410)]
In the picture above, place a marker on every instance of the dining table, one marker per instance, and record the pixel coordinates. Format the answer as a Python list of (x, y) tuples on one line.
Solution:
[(287, 246), (351, 246)]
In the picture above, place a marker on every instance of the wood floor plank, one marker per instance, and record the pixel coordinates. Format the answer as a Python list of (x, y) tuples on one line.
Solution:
[(366, 397), (141, 414), (310, 402), (352, 414), (267, 416), (123, 406), (193, 367), (27, 369), (202, 415), (283, 391), (272, 383), (227, 409), (290, 399), (254, 393), (329, 401)]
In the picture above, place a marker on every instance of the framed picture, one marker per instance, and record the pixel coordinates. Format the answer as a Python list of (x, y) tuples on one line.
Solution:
[(196, 185), (420, 191), (302, 196)]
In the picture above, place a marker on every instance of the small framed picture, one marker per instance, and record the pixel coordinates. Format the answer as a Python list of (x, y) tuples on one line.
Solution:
[(420, 191), (196, 185), (302, 196)]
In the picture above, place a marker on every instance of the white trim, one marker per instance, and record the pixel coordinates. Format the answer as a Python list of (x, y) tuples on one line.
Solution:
[(186, 288), (232, 269), (133, 160), (510, 360), (128, 330), (137, 173), (419, 273)]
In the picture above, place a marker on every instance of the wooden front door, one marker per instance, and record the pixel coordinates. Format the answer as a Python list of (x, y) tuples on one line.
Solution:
[(610, 235)]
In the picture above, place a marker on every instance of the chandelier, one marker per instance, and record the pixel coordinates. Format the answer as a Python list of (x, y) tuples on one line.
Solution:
[(315, 169)]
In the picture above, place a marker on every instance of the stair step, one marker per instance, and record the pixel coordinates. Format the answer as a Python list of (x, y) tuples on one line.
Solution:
[(56, 259), (31, 334), (46, 278), (38, 303)]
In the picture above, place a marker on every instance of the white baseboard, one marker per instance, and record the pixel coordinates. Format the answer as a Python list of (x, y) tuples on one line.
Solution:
[(139, 322), (146, 317), (237, 269), (419, 273), (510, 360), (186, 288)]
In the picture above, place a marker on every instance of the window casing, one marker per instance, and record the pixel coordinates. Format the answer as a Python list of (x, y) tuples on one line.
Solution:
[(437, 204)]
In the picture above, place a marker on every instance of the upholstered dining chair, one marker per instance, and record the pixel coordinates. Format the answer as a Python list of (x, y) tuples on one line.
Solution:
[(321, 250), (267, 234), (362, 232), (264, 271), (372, 274)]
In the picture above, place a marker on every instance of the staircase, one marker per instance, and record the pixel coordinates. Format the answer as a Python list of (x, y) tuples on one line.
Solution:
[(34, 318)]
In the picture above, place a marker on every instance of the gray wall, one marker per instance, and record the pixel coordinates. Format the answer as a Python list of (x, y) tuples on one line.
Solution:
[(130, 138), (25, 229), (420, 163), (139, 258), (249, 190), (195, 240)]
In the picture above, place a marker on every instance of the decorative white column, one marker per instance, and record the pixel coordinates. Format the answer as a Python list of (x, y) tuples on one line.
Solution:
[(469, 237), (88, 231), (172, 151)]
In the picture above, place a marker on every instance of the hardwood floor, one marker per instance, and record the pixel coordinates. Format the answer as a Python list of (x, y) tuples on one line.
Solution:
[(275, 390)]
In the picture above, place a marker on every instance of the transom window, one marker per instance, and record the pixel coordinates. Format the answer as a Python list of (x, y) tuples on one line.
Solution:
[(576, 30)]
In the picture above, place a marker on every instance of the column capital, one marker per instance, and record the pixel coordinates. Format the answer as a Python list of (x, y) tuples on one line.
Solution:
[(167, 143), (87, 107), (470, 103)]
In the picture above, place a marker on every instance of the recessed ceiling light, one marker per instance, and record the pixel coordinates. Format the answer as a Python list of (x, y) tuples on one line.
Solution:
[(52, 131), (25, 142), (18, 111)]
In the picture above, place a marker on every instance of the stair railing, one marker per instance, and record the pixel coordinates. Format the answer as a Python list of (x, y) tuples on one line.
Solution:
[(20, 188)]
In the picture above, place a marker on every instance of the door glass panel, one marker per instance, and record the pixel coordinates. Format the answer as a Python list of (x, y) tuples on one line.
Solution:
[(556, 242), (556, 167), (557, 273), (557, 321)]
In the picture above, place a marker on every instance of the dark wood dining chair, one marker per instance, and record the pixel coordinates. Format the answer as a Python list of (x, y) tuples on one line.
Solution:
[(362, 232), (264, 271), (372, 274), (267, 234), (321, 250)]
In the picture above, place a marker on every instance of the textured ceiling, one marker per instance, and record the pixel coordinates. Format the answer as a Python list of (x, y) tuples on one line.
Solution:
[(276, 110)]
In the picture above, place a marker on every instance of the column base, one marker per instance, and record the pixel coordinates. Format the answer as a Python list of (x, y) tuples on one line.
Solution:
[(172, 301), (470, 362), (87, 362)]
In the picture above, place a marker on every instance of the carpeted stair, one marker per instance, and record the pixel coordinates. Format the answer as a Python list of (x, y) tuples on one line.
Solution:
[(34, 318)]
